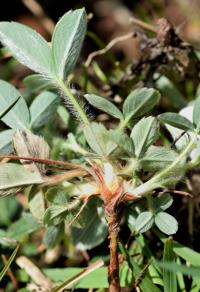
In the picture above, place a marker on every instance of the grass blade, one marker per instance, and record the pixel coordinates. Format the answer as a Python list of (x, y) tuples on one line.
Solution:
[(9, 262), (169, 277)]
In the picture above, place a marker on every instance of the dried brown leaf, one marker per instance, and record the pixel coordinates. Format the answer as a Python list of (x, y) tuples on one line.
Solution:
[(30, 145)]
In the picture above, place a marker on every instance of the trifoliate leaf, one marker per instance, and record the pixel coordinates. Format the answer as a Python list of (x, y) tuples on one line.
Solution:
[(144, 134)]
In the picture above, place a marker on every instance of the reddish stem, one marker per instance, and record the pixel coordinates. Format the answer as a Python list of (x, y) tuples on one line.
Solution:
[(113, 208), (113, 270), (44, 161)]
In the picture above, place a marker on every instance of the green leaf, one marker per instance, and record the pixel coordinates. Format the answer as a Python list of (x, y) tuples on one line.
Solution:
[(95, 230), (96, 280), (8, 263), (182, 251), (104, 105), (6, 142), (144, 134), (67, 41), (176, 121), (187, 253), (176, 268), (169, 277), (56, 214), (35, 83), (25, 225), (63, 208), (36, 203), (43, 109), (8, 242), (181, 280), (166, 223), (195, 286), (146, 284), (122, 140), (64, 115), (72, 145), (155, 275), (9, 107), (144, 221), (9, 208), (57, 196), (163, 202), (139, 102), (15, 176), (196, 112), (18, 116), (97, 137), (157, 158), (53, 235), (169, 90), (73, 282), (178, 135), (27, 46)]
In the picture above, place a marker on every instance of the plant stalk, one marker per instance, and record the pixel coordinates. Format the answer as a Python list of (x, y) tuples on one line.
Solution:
[(113, 269), (162, 178), (113, 209), (74, 102)]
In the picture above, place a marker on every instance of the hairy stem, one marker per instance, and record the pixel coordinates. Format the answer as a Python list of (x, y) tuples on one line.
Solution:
[(122, 125), (74, 102), (179, 159), (77, 107), (164, 177)]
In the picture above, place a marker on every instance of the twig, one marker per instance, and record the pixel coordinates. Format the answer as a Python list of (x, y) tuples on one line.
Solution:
[(79, 276), (37, 11), (34, 272), (143, 24), (176, 140), (78, 214), (141, 275), (176, 192), (44, 161), (55, 179), (111, 44)]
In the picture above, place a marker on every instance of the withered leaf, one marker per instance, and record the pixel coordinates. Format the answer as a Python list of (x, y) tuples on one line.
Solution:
[(14, 177), (29, 145)]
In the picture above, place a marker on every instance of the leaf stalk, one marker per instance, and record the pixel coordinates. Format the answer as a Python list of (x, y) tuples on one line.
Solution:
[(74, 102)]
